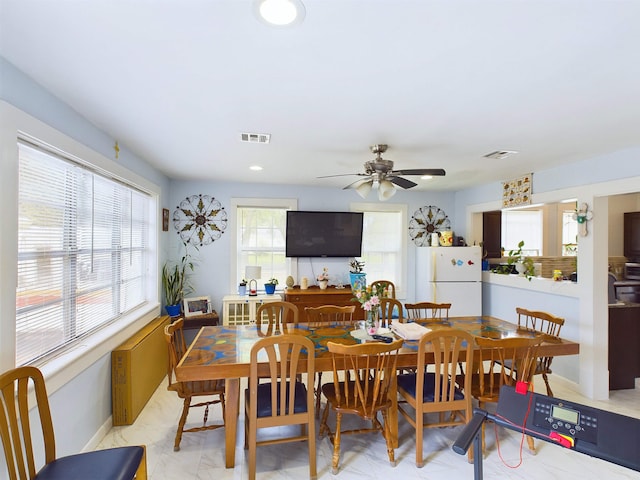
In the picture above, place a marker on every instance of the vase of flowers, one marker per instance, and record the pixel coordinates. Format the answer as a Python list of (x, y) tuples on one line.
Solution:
[(357, 277), (369, 297), (323, 278)]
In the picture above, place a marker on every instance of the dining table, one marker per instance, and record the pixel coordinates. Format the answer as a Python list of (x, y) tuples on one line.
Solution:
[(223, 352)]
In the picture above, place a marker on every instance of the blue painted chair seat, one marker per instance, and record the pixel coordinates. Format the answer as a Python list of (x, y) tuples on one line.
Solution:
[(112, 464), (407, 381), (264, 399)]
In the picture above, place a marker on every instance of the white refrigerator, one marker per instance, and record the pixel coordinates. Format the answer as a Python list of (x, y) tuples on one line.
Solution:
[(450, 275)]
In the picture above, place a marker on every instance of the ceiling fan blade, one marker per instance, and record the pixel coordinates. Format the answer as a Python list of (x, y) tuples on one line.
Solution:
[(436, 172), (402, 182), (345, 175), (357, 183)]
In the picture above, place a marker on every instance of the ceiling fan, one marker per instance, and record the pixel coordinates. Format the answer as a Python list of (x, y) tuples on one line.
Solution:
[(382, 175)]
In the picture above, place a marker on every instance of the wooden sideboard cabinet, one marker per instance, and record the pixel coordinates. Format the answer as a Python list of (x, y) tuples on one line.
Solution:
[(314, 297)]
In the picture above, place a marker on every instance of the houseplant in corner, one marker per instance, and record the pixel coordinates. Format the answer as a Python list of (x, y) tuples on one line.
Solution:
[(270, 286), (175, 282)]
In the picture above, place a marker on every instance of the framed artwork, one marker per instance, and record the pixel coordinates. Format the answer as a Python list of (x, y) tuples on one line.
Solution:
[(517, 192), (200, 220), (195, 306), (165, 219)]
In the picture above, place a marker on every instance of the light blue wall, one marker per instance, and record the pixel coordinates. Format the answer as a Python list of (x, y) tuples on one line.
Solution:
[(81, 407), (212, 275)]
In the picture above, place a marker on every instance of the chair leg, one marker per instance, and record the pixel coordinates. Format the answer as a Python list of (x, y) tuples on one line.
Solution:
[(252, 450), (386, 433), (336, 445), (183, 419), (419, 441), (324, 427), (530, 444), (546, 382), (318, 394)]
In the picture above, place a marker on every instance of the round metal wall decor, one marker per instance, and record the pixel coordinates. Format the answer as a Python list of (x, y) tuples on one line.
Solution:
[(200, 220), (425, 222)]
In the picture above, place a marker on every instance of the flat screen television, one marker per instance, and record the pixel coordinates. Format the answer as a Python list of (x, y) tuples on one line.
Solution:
[(324, 234)]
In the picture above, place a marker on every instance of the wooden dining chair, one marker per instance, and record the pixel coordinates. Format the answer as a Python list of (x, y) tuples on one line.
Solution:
[(19, 429), (276, 315), (437, 390), (323, 316), (493, 371), (386, 286), (283, 400), (174, 336), (370, 368), (390, 309), (547, 324), (428, 312)]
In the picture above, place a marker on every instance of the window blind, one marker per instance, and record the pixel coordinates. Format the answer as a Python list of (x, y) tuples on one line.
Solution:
[(82, 251)]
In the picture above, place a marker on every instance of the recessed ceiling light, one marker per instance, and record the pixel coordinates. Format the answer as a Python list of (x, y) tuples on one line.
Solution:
[(279, 13), (255, 168), (426, 177)]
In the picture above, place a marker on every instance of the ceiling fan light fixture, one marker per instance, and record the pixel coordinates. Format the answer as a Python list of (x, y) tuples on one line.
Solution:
[(386, 190), (364, 188)]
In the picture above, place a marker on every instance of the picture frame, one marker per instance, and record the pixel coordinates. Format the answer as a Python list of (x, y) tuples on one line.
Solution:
[(165, 219), (195, 306)]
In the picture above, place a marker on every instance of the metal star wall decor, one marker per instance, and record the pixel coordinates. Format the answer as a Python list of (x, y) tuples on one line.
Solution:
[(427, 221), (200, 220)]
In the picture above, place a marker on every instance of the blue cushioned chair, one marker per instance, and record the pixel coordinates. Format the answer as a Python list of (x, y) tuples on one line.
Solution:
[(271, 402), (16, 425), (444, 352)]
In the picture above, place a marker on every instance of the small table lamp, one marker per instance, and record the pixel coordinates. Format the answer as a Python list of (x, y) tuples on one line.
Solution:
[(253, 272)]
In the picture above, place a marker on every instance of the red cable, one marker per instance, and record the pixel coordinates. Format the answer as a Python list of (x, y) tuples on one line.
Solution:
[(524, 423)]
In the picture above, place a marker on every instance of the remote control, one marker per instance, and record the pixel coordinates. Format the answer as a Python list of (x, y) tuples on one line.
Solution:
[(382, 338)]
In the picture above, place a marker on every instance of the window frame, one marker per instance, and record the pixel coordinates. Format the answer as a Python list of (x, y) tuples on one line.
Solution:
[(243, 202), (67, 364), (402, 209)]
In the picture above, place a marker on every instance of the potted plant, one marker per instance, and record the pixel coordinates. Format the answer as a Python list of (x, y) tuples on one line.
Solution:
[(175, 283), (357, 277), (523, 264), (242, 287), (270, 286), (323, 278)]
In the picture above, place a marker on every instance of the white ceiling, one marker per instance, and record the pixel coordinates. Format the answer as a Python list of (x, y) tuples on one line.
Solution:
[(443, 82)]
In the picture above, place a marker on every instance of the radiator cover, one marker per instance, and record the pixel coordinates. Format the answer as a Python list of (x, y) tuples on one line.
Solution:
[(138, 366)]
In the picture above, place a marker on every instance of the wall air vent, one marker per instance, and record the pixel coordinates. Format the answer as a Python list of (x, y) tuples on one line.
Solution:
[(255, 137), (500, 154)]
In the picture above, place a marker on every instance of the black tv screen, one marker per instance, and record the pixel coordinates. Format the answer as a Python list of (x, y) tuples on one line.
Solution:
[(324, 234)]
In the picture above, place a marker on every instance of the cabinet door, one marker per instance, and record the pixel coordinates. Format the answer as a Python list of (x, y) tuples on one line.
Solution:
[(492, 234), (632, 236)]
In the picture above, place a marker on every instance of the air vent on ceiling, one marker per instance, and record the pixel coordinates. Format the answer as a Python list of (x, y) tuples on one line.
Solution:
[(500, 154), (255, 137)]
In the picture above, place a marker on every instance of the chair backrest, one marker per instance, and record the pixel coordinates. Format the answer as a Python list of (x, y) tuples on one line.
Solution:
[(16, 424), (174, 336), (498, 358), (276, 315), (452, 351), (330, 314), (428, 311), (277, 359), (387, 286), (542, 322), (388, 308), (370, 367)]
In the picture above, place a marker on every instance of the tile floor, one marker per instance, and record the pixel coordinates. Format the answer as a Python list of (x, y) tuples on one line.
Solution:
[(363, 456)]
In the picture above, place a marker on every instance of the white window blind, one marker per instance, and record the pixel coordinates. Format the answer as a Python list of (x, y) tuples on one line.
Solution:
[(82, 252), (261, 241)]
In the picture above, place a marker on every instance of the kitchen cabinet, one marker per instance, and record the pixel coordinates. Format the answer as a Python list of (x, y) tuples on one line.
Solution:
[(632, 236), (624, 338)]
